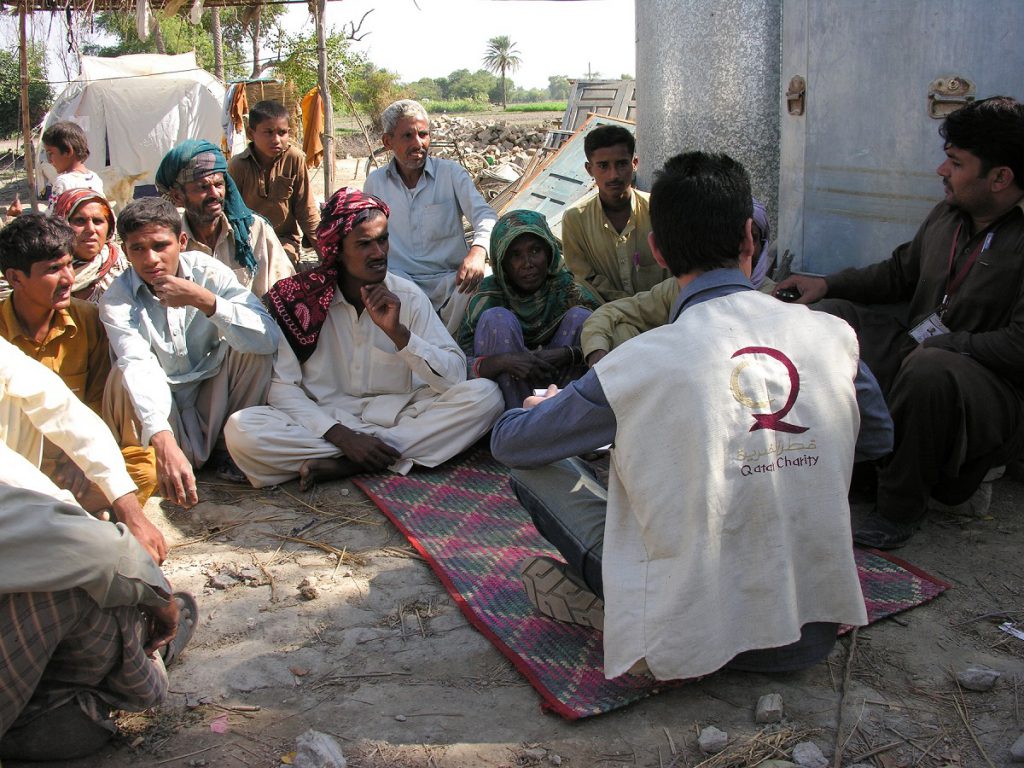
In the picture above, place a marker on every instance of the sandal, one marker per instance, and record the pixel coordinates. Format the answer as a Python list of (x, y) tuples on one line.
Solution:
[(188, 619)]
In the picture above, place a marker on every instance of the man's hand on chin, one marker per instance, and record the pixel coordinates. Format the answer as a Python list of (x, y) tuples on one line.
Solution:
[(384, 308)]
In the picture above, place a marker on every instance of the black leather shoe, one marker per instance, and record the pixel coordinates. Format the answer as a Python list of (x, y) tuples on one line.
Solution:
[(881, 533)]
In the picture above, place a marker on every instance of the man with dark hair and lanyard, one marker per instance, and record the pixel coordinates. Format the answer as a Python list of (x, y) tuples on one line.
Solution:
[(952, 364)]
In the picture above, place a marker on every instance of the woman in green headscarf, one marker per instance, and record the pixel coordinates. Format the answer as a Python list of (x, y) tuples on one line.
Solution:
[(522, 327)]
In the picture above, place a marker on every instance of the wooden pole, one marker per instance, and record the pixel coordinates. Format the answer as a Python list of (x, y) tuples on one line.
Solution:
[(355, 114), (218, 43), (26, 118), (325, 95)]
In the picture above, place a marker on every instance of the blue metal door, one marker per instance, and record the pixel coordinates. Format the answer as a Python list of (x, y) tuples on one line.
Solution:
[(857, 166)]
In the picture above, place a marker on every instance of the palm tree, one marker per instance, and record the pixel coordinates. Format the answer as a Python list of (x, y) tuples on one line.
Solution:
[(500, 56)]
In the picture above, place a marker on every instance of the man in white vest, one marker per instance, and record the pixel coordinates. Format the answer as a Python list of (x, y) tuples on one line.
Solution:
[(723, 538)]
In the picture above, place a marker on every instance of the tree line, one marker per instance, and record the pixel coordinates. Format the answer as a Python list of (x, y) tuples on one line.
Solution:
[(239, 43), (482, 86)]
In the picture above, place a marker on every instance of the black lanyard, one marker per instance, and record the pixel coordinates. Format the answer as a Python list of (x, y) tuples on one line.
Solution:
[(954, 283)]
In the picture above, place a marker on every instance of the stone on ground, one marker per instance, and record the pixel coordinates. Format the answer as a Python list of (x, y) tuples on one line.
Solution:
[(318, 750), (1017, 750), (806, 754), (769, 708), (712, 740), (978, 678)]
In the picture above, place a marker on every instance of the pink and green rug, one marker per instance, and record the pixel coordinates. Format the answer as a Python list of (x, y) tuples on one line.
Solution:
[(467, 524)]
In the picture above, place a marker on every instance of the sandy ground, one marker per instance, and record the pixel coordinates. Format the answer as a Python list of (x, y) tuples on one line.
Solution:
[(381, 658)]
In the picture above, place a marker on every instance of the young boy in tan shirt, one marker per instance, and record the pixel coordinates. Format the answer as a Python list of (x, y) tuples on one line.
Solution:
[(272, 178)]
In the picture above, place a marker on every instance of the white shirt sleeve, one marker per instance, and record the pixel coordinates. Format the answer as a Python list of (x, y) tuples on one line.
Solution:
[(239, 316), (55, 411), (431, 353)]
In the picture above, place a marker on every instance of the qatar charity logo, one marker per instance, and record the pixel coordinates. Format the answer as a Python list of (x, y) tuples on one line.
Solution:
[(771, 419)]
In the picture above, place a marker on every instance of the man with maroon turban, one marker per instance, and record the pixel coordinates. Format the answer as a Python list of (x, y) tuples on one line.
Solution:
[(366, 377)]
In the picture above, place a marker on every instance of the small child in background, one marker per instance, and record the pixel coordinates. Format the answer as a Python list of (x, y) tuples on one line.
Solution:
[(272, 178), (67, 149)]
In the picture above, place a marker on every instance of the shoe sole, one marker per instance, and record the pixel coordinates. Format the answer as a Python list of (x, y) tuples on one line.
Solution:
[(883, 543), (188, 620), (557, 596)]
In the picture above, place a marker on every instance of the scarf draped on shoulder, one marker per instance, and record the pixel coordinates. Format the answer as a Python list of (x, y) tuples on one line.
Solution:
[(92, 276), (192, 160), (300, 303)]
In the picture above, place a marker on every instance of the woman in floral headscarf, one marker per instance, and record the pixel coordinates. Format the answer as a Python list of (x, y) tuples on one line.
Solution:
[(522, 328), (96, 258)]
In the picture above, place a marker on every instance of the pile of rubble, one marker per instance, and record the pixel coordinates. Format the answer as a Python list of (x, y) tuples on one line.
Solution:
[(480, 145)]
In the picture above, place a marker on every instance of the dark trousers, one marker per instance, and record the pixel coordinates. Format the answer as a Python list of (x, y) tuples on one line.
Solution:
[(568, 505), (954, 418)]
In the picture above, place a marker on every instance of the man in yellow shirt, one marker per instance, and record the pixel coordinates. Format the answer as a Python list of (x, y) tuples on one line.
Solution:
[(65, 334), (604, 235)]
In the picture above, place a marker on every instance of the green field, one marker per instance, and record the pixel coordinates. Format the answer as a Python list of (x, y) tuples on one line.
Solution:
[(460, 106), (540, 106), (466, 107)]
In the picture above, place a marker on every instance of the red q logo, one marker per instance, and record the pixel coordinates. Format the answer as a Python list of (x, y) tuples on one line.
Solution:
[(772, 420)]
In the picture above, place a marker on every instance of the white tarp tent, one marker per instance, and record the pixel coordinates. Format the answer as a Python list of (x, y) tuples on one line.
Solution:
[(135, 108)]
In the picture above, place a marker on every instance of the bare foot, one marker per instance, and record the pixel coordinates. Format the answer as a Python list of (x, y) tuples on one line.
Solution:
[(314, 470)]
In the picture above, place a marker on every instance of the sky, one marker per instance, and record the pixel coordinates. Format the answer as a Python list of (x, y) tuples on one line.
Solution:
[(433, 38)]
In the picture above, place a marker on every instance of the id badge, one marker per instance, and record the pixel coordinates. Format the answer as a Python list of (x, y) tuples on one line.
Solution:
[(930, 326)]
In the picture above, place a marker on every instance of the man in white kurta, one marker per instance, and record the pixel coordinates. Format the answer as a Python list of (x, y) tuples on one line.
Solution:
[(724, 535), (416, 400), (383, 375)]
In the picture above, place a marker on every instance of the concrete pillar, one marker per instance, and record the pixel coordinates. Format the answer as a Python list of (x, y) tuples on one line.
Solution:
[(708, 78)]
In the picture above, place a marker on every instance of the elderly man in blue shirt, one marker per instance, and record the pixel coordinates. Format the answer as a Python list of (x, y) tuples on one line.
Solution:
[(428, 198)]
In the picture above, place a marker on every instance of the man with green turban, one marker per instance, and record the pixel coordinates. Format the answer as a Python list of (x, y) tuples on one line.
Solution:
[(216, 219)]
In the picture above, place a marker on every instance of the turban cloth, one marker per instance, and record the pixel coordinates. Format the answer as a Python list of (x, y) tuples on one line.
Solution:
[(300, 303), (195, 159)]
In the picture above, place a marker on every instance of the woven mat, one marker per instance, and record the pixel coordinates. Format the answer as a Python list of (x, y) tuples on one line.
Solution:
[(465, 521)]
